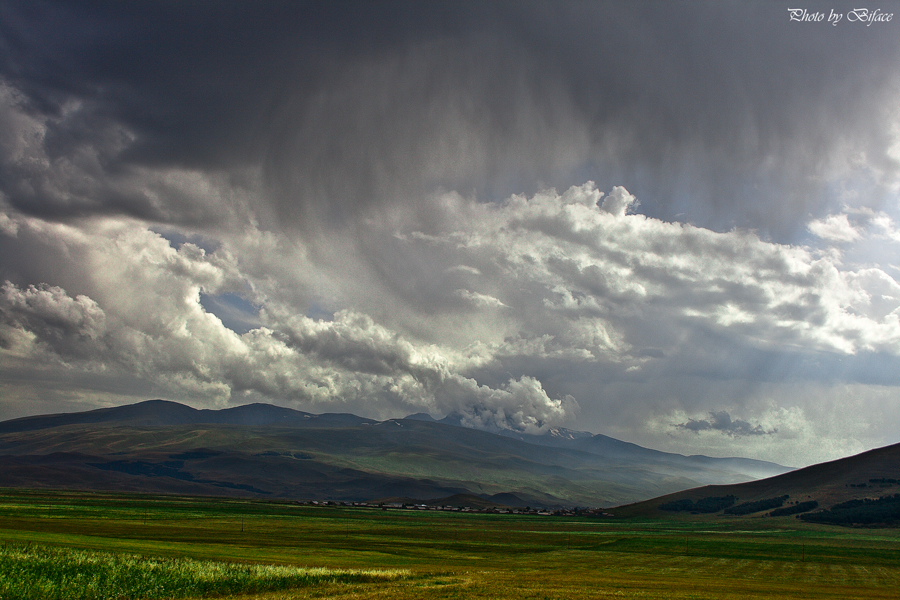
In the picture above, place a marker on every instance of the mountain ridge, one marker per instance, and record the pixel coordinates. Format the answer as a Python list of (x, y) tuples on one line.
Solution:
[(271, 451), (167, 412)]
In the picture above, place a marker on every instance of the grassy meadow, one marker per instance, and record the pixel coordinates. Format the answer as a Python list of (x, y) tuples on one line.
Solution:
[(31, 572), (280, 551)]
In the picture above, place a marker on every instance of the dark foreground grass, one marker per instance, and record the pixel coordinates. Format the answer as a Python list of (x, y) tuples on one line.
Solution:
[(33, 572), (471, 556)]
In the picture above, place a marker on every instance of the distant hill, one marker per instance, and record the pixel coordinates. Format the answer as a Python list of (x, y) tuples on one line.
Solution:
[(743, 469), (162, 413), (260, 450), (867, 476)]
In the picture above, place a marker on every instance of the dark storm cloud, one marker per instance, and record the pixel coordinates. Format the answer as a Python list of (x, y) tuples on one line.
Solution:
[(722, 422), (708, 109), (198, 81)]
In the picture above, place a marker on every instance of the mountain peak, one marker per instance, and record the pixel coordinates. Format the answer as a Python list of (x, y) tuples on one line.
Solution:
[(568, 434), (420, 416)]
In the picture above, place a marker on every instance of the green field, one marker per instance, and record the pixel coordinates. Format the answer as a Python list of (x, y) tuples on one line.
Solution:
[(369, 553)]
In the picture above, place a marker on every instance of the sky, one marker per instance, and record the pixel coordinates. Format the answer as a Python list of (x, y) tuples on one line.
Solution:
[(674, 223)]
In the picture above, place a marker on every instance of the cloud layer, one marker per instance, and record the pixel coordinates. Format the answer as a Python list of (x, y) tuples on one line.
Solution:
[(342, 210)]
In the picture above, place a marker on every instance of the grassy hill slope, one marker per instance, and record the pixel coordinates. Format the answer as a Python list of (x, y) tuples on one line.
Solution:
[(869, 475)]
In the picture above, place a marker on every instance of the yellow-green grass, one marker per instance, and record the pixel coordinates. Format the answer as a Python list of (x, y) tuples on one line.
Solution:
[(458, 555), (30, 572)]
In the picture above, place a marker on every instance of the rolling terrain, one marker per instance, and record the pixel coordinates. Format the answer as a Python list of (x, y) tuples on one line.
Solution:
[(266, 451)]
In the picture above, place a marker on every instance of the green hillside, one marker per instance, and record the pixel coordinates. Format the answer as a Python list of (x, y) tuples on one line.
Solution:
[(805, 493)]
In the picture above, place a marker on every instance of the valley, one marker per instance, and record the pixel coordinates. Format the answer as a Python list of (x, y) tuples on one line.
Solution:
[(413, 554), (264, 503)]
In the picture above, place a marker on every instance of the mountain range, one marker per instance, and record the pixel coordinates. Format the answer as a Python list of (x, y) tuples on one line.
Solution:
[(266, 451)]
